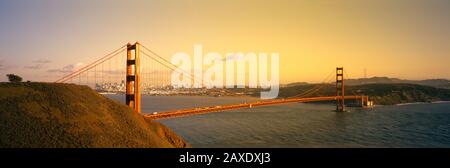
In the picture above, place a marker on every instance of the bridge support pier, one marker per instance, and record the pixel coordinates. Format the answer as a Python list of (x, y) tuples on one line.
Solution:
[(133, 93), (365, 100)]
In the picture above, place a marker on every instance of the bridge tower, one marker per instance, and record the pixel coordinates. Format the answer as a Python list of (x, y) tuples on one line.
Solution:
[(133, 94), (340, 89)]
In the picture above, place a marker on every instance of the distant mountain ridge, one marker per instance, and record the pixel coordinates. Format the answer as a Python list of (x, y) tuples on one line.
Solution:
[(438, 83)]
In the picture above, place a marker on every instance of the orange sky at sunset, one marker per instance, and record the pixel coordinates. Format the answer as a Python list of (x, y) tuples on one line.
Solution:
[(407, 39)]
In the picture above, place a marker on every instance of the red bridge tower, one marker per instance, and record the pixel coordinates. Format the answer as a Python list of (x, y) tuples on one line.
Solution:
[(133, 94), (340, 89)]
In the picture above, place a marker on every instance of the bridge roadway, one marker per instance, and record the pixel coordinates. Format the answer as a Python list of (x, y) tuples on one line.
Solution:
[(186, 112)]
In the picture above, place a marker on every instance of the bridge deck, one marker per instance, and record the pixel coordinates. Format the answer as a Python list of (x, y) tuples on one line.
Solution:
[(186, 112)]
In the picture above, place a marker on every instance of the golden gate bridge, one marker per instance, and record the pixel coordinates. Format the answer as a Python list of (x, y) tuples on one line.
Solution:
[(139, 68)]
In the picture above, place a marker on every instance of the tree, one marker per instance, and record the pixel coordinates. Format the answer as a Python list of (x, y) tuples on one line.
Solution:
[(14, 78)]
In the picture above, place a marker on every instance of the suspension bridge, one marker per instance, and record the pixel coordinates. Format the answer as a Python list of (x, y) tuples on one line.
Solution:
[(134, 69)]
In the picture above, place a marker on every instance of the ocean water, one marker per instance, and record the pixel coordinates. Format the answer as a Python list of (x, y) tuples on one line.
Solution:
[(305, 125)]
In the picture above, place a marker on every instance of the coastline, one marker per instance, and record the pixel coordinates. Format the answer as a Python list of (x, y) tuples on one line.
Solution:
[(413, 103)]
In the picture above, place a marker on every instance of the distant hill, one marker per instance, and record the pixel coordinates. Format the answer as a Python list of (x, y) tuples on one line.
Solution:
[(295, 84), (66, 115), (381, 94), (440, 83)]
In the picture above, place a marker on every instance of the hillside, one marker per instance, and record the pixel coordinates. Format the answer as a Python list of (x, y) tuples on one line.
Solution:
[(66, 115), (439, 83), (381, 94)]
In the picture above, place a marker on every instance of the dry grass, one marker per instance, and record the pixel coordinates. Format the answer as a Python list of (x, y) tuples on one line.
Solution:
[(66, 115)]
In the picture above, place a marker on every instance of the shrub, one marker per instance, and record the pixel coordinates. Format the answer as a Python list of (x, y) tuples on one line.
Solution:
[(14, 78)]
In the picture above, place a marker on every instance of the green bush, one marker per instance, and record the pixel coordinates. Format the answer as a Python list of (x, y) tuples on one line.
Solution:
[(14, 78)]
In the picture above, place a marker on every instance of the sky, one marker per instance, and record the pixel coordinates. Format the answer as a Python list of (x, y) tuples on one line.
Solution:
[(408, 39)]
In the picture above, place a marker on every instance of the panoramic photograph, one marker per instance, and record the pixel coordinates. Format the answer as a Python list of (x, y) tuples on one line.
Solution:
[(232, 77)]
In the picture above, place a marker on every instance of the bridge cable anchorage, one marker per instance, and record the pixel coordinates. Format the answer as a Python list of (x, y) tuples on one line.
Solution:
[(174, 67), (316, 88), (93, 64)]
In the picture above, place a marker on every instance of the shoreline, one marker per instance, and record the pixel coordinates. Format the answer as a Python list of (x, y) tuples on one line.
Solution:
[(413, 103)]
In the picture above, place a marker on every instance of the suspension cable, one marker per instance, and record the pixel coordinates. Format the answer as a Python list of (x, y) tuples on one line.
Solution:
[(315, 88), (91, 65), (174, 67)]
